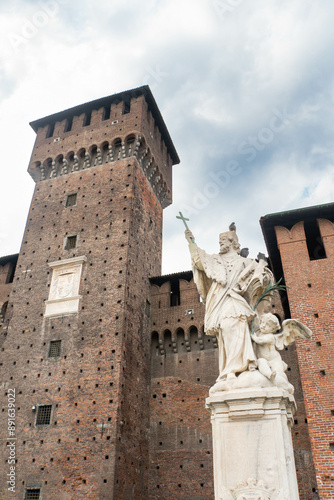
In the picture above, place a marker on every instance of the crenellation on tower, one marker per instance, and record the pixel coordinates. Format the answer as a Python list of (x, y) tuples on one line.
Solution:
[(134, 128)]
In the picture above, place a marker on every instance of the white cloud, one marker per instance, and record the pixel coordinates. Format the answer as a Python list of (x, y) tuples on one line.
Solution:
[(217, 79)]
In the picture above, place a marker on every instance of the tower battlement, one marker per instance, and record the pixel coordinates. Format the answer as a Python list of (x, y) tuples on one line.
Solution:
[(120, 126)]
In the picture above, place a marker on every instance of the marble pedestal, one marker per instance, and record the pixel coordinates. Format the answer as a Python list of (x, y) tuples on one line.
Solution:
[(252, 444)]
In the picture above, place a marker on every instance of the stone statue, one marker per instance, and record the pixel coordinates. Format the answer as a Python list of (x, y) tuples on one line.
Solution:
[(232, 288), (228, 285), (268, 341)]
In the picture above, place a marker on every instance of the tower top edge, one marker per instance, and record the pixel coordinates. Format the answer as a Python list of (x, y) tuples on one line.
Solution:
[(124, 96)]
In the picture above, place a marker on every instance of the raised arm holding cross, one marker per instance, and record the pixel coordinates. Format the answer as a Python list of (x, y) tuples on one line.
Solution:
[(188, 233)]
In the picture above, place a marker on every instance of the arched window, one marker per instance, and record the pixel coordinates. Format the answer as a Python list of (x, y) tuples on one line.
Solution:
[(181, 344), (154, 345), (70, 160), (130, 144), (104, 152), (59, 164), (81, 158), (117, 147), (93, 154), (194, 340), (168, 342)]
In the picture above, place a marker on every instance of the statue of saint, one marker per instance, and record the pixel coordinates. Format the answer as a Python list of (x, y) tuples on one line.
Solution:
[(229, 285), (237, 293)]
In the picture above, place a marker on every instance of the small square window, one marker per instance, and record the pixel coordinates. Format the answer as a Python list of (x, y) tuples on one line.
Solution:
[(71, 200), (32, 494), (43, 415), (71, 242), (54, 348)]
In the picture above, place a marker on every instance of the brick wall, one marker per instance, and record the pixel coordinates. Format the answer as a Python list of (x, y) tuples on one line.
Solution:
[(310, 279), (96, 445), (184, 365)]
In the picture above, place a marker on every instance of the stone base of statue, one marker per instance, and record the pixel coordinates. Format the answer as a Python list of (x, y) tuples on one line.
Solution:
[(252, 444)]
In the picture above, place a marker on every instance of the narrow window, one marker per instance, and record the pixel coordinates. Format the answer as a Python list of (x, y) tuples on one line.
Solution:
[(50, 131), (69, 123), (106, 112), (175, 293), (10, 275), (71, 242), (32, 494), (148, 308), (43, 415), (71, 200), (315, 245), (126, 106), (87, 119), (54, 348)]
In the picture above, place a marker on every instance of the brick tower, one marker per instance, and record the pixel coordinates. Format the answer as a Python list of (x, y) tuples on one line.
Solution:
[(301, 246), (76, 343)]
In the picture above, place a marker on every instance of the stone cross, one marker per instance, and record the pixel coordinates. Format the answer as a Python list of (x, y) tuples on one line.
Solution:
[(184, 219)]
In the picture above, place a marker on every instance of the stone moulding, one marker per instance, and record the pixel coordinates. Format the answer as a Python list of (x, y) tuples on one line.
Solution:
[(234, 404)]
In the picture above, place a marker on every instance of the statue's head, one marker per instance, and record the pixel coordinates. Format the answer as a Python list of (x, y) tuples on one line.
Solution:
[(269, 323), (228, 240)]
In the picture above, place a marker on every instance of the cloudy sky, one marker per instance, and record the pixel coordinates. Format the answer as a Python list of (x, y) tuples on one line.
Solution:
[(245, 87)]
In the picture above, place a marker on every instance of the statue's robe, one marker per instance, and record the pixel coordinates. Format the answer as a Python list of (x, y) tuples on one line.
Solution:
[(222, 284)]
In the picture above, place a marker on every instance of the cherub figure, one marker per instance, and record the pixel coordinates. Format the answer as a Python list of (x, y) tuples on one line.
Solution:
[(267, 341)]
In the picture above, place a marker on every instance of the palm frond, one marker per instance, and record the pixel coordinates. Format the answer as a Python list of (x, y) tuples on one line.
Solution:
[(268, 292)]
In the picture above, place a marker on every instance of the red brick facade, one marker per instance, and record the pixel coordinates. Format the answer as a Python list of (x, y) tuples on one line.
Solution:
[(305, 241), (96, 443)]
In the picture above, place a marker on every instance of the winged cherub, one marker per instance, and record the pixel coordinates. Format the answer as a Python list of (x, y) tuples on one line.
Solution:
[(267, 342)]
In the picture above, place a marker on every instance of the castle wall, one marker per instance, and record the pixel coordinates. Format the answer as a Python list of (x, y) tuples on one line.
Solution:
[(184, 365), (309, 274), (76, 348)]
